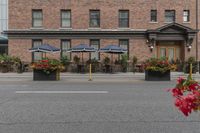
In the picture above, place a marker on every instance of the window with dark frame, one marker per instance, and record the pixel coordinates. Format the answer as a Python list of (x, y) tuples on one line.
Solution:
[(123, 18), (66, 18), (124, 43), (37, 18), (65, 45), (186, 15), (153, 15), (95, 43), (36, 55), (95, 18), (170, 15)]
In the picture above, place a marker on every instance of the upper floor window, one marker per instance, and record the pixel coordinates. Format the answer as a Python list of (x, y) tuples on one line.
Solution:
[(94, 18), (65, 45), (65, 18), (37, 55), (186, 16), (123, 18), (170, 16), (37, 18), (153, 16), (95, 44)]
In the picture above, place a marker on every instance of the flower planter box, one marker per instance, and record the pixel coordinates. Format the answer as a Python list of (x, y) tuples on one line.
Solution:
[(157, 76), (40, 75)]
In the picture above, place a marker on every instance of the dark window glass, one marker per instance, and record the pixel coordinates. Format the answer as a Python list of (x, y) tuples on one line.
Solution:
[(153, 15), (94, 18), (65, 18), (170, 16), (95, 44), (124, 19), (37, 18)]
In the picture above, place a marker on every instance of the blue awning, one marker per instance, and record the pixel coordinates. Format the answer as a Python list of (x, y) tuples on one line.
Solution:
[(3, 40)]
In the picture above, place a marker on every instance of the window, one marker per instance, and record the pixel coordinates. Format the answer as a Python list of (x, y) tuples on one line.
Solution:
[(65, 18), (186, 16), (124, 43), (95, 44), (65, 45), (37, 55), (170, 16), (153, 15), (37, 18), (94, 18), (123, 18)]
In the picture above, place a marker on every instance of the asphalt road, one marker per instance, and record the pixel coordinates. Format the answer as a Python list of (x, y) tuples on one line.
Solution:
[(97, 107)]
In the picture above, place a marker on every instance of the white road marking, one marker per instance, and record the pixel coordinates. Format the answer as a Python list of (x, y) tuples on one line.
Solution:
[(61, 92)]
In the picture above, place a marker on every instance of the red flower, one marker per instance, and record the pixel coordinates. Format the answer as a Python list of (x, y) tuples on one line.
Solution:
[(177, 92)]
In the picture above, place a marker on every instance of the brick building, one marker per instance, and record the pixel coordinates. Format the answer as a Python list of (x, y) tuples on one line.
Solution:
[(146, 28)]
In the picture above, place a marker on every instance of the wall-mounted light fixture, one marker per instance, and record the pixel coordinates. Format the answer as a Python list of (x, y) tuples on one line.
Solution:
[(189, 47)]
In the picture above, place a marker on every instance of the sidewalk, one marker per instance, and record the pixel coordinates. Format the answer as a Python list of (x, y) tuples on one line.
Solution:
[(96, 76)]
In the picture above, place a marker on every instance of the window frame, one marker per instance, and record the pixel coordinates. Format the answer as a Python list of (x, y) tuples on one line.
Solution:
[(98, 19), (120, 40), (188, 15), (37, 10), (99, 44), (168, 16), (61, 47), (121, 19), (33, 54), (61, 18), (155, 15)]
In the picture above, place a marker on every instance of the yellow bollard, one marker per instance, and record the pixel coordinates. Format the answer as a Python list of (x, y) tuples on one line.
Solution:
[(90, 75), (190, 71)]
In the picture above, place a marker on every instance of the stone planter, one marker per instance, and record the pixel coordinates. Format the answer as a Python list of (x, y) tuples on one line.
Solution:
[(40, 75), (157, 76)]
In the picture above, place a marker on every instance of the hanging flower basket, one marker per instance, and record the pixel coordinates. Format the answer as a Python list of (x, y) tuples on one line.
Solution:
[(187, 95)]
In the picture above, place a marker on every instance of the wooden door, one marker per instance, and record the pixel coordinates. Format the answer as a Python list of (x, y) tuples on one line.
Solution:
[(169, 51)]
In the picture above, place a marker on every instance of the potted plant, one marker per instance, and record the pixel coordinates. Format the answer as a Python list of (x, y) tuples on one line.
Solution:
[(187, 95), (191, 60), (47, 70), (106, 62), (80, 67), (134, 62), (124, 62), (94, 63), (157, 69), (17, 64), (5, 63), (65, 62)]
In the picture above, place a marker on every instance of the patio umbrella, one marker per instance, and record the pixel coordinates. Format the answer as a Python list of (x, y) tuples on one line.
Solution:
[(83, 48), (45, 48), (113, 49)]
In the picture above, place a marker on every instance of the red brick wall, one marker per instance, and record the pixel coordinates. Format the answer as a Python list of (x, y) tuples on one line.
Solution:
[(19, 48), (20, 17), (20, 12)]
